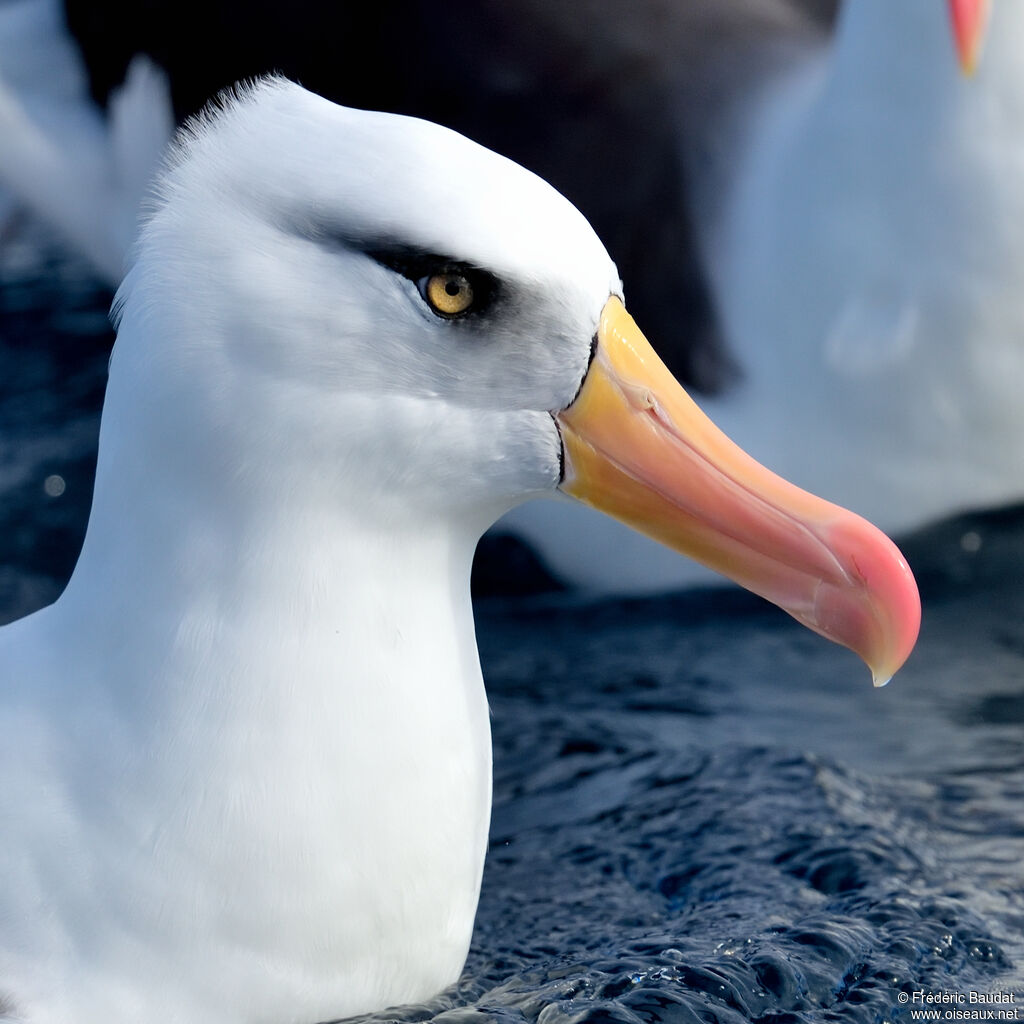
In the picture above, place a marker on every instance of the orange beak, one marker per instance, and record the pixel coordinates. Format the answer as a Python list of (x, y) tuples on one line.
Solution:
[(637, 447), (970, 20)]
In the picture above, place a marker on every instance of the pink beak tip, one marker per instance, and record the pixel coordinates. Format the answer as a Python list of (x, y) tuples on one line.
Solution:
[(881, 618)]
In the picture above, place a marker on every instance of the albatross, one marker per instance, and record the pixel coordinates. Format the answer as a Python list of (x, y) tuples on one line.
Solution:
[(246, 768)]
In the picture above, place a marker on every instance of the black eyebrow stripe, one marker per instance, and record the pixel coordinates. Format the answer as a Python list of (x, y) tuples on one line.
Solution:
[(415, 263), (403, 257), (409, 260)]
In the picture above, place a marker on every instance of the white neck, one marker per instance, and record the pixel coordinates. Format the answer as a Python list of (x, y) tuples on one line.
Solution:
[(304, 748)]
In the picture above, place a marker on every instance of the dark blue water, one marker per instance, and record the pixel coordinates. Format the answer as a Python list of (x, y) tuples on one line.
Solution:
[(702, 812)]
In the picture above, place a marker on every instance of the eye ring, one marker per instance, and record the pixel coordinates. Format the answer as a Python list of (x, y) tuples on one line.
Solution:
[(449, 294)]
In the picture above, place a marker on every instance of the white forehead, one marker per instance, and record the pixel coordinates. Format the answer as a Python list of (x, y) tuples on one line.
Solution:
[(289, 153)]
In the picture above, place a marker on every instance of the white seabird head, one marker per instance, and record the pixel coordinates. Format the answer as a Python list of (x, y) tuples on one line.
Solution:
[(295, 239), (372, 305)]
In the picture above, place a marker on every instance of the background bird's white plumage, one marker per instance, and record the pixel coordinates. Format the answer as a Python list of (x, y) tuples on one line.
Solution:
[(868, 271), (865, 262)]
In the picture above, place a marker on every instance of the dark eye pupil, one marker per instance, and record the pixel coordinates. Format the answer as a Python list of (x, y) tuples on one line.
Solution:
[(453, 287)]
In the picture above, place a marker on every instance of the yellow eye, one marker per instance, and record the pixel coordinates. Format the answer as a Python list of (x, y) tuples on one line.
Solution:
[(449, 294)]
